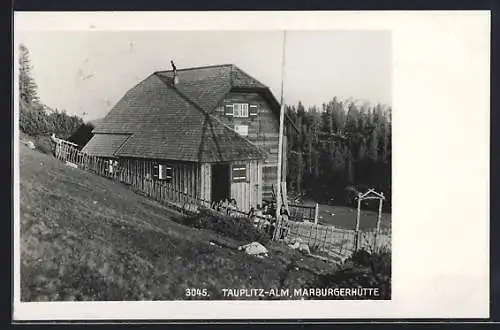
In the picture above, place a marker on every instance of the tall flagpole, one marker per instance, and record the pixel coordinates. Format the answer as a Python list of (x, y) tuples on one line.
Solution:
[(280, 146)]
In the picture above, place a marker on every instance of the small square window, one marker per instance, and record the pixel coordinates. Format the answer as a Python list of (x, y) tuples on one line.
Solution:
[(241, 129)]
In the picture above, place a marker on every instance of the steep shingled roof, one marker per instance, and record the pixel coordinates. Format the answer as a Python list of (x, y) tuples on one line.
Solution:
[(169, 123), (206, 86), (105, 145)]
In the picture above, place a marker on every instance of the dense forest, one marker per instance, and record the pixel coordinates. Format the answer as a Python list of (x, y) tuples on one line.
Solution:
[(340, 148)]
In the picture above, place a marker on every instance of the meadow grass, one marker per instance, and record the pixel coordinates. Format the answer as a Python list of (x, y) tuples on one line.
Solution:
[(84, 237)]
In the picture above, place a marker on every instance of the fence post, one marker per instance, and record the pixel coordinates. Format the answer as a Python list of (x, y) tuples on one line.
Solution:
[(326, 235), (358, 214), (310, 234), (316, 211), (316, 234), (356, 240), (342, 241)]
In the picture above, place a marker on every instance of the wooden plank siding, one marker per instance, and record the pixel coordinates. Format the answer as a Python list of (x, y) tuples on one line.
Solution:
[(205, 180), (247, 194), (263, 131), (185, 175), (193, 179)]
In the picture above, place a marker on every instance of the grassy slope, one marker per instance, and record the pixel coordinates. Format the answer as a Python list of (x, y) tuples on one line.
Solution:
[(42, 142), (84, 237)]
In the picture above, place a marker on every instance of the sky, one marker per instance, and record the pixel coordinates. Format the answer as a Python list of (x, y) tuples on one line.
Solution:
[(89, 71)]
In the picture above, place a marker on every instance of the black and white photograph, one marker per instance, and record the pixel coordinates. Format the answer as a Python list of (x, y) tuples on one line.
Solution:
[(252, 165), (150, 165)]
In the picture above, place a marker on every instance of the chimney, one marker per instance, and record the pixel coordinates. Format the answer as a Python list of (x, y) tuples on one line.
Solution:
[(176, 77)]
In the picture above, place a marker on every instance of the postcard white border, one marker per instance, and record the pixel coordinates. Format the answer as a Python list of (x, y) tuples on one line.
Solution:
[(440, 165)]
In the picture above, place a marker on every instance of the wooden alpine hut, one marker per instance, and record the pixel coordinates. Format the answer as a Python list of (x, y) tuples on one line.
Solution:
[(209, 132)]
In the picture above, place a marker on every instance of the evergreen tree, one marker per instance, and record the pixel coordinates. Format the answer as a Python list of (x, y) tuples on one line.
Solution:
[(27, 87), (323, 164), (34, 117)]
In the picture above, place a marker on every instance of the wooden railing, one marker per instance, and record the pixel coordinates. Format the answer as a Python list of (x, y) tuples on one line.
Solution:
[(156, 190), (338, 240)]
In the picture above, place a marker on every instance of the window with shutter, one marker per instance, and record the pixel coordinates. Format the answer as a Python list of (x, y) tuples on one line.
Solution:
[(240, 110), (239, 173), (228, 110), (254, 110), (156, 171), (111, 167), (165, 173), (106, 166), (241, 129)]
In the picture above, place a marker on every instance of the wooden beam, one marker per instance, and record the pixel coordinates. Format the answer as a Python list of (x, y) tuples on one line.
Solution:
[(379, 214), (358, 213)]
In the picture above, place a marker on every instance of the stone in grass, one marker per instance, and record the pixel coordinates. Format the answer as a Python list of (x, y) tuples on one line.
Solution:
[(30, 145), (255, 249), (70, 164), (298, 244), (304, 248)]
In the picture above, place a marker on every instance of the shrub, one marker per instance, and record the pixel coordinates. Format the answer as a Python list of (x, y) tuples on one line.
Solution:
[(33, 120), (36, 119), (43, 144), (239, 228), (62, 124), (82, 135), (361, 270)]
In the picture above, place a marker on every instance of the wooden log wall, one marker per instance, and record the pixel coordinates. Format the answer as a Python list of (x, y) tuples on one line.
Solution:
[(205, 176), (263, 131), (185, 176)]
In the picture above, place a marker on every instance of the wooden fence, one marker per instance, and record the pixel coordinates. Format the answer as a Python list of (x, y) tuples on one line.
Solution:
[(153, 189), (323, 238), (338, 241), (302, 212)]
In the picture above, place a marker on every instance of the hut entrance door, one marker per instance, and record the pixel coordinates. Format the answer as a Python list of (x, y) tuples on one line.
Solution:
[(220, 182)]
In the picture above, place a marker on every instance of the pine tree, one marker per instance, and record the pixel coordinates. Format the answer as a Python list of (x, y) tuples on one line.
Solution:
[(32, 117), (373, 147), (27, 87)]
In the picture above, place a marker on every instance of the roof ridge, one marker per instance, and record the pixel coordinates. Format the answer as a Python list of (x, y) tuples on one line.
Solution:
[(252, 77), (231, 77), (196, 68)]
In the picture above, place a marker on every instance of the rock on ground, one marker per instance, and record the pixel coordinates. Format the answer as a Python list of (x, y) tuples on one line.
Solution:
[(30, 144), (254, 248), (298, 244)]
